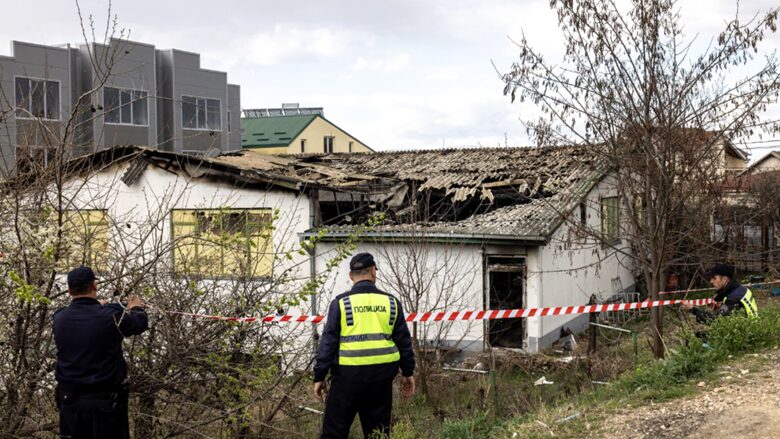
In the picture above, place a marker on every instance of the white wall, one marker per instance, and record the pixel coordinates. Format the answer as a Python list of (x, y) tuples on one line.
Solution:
[(450, 279), (564, 272), (142, 212), (569, 269)]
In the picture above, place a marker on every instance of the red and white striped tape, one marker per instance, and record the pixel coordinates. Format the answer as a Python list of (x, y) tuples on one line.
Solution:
[(470, 315), (699, 290)]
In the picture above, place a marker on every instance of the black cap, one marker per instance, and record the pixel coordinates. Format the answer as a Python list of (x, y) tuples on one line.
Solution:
[(361, 261), (80, 279), (721, 270)]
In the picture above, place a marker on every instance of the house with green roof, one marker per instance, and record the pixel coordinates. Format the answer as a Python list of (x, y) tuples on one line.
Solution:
[(297, 134)]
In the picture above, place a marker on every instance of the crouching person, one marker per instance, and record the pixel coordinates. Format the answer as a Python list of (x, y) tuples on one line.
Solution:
[(730, 298)]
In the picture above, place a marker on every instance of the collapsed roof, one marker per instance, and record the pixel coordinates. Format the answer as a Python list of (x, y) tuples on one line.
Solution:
[(513, 194)]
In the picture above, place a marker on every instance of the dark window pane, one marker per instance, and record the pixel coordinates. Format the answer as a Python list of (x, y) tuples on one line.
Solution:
[(201, 113), (126, 113), (52, 100), (23, 97), (140, 109), (213, 115), (111, 104), (189, 113), (37, 101)]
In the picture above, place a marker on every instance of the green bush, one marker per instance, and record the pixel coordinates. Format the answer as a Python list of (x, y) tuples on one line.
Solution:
[(477, 427), (738, 334), (689, 361)]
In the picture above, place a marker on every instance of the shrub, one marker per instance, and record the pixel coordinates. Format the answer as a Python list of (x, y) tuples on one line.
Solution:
[(739, 333)]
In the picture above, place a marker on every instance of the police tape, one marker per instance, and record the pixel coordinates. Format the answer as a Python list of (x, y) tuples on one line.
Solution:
[(701, 290), (440, 316)]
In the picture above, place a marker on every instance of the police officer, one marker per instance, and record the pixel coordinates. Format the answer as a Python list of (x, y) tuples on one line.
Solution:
[(91, 390), (729, 298), (364, 343)]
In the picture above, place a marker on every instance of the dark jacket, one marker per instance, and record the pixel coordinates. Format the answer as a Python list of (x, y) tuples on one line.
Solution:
[(733, 292), (327, 356), (89, 341)]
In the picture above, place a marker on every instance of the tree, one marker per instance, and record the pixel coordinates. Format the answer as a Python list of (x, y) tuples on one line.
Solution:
[(633, 87), (429, 277)]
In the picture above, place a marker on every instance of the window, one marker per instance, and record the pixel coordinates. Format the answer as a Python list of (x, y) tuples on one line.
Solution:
[(34, 158), (303, 145), (85, 239), (583, 214), (229, 122), (328, 144), (223, 242), (350, 146), (125, 107), (201, 113), (37, 98), (752, 235), (610, 220)]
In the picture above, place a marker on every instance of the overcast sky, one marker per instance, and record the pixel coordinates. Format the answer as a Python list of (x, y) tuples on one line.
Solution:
[(395, 74)]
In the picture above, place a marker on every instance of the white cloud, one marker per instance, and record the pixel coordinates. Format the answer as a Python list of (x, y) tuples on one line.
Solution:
[(285, 43), (393, 63)]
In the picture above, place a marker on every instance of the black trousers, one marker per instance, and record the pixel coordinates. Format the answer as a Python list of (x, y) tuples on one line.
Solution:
[(93, 415), (372, 401)]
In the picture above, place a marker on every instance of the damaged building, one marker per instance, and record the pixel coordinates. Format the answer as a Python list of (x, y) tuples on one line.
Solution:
[(462, 229)]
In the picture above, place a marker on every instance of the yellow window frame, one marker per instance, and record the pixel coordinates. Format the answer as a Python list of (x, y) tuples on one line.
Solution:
[(223, 242), (85, 235)]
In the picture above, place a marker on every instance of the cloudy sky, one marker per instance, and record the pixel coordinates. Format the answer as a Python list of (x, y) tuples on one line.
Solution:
[(396, 74)]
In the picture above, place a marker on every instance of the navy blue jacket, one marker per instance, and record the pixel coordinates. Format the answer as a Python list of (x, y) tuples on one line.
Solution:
[(733, 292), (89, 341), (328, 353)]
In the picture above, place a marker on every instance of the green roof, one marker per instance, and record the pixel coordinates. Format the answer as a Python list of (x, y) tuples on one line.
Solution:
[(267, 132)]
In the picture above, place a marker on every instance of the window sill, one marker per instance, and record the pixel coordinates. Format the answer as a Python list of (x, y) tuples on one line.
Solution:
[(38, 118), (202, 129), (120, 124)]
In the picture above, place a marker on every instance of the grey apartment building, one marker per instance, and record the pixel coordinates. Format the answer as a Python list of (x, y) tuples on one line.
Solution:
[(99, 95)]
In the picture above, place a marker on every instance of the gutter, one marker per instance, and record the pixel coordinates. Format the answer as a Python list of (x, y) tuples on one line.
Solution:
[(436, 237)]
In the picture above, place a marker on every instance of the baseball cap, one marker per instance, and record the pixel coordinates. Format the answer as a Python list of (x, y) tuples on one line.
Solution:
[(361, 261), (80, 278), (721, 270)]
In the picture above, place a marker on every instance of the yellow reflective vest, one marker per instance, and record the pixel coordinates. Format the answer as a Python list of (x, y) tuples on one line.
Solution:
[(748, 302), (367, 321)]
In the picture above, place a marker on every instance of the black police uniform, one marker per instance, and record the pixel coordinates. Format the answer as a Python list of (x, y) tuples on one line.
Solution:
[(730, 298), (363, 390), (90, 372)]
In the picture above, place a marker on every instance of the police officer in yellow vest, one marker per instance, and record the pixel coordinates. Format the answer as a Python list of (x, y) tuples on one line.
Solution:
[(364, 343), (730, 297)]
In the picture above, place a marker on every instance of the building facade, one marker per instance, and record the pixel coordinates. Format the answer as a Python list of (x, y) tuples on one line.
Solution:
[(95, 96), (295, 130)]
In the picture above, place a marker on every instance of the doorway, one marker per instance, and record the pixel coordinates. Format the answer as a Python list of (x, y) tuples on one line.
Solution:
[(506, 281)]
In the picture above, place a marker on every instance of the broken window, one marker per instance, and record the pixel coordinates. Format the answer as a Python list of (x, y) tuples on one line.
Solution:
[(223, 242)]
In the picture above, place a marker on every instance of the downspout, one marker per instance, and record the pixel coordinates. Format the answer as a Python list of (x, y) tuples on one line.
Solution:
[(314, 222)]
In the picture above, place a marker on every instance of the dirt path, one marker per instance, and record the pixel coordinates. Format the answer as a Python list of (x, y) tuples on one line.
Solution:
[(743, 403)]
